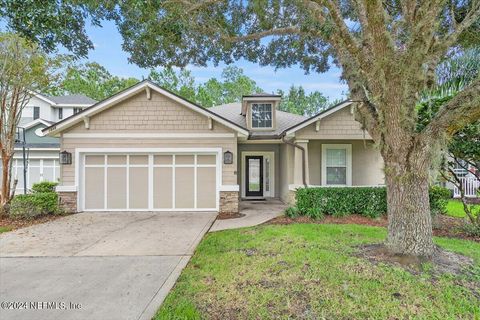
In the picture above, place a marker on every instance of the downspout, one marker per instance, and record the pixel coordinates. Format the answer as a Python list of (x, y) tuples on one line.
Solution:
[(304, 164)]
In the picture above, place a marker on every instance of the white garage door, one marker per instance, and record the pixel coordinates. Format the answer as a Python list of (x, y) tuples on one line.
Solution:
[(150, 182)]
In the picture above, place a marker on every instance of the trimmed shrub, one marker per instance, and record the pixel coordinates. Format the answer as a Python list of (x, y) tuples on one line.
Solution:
[(33, 205), (44, 187), (439, 197), (342, 201), (292, 212), (367, 201)]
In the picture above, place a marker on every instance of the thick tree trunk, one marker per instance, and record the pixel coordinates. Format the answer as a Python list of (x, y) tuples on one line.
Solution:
[(409, 219)]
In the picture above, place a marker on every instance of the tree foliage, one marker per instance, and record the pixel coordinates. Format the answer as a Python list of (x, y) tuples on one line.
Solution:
[(90, 79), (23, 68), (298, 102), (230, 88), (463, 149), (51, 23)]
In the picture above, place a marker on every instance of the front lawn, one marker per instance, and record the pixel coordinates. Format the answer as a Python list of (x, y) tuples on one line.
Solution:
[(455, 209), (309, 271)]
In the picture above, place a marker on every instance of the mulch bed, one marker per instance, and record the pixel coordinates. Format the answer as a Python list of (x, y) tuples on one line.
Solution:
[(22, 223), (443, 226)]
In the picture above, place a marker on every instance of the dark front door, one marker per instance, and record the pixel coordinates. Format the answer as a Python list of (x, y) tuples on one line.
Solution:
[(254, 176)]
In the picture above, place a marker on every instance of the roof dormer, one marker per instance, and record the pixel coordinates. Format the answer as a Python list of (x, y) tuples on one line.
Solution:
[(260, 111)]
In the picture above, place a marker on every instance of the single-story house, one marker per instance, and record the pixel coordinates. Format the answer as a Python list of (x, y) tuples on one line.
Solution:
[(146, 148)]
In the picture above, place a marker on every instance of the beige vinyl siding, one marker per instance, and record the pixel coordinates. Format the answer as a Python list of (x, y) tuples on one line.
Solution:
[(286, 170), (338, 125), (367, 163)]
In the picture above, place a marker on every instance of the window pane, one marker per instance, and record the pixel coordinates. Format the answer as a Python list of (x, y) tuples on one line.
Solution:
[(336, 157), (254, 174), (337, 175), (261, 115)]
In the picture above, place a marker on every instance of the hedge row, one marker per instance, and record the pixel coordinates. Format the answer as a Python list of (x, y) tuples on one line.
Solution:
[(367, 201)]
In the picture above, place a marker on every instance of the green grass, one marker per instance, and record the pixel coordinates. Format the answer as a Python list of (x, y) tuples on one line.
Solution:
[(455, 209), (5, 229), (309, 271)]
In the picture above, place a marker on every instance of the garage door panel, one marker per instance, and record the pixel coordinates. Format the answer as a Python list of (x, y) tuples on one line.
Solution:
[(206, 187), (153, 181), (162, 188), (94, 188), (116, 187), (138, 188), (184, 187)]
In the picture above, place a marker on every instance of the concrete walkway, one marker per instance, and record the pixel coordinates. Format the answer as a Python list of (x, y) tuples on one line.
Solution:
[(256, 212), (111, 265)]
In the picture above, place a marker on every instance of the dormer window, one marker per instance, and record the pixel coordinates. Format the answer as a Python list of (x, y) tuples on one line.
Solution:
[(262, 115)]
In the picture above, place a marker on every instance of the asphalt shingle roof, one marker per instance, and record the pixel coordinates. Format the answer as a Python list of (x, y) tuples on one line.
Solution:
[(231, 111), (72, 99)]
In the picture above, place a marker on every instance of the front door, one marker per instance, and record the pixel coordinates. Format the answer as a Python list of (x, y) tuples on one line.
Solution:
[(254, 176)]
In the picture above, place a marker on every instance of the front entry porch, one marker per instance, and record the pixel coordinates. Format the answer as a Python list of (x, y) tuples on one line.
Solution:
[(258, 172)]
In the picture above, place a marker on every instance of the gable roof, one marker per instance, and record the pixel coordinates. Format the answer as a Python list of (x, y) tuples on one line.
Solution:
[(35, 122), (317, 117), (73, 100), (129, 92), (285, 120), (42, 96)]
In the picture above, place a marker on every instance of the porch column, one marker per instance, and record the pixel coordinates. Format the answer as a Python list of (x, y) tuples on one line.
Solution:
[(298, 167)]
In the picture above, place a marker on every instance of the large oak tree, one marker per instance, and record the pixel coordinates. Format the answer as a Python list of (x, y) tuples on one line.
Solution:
[(388, 51)]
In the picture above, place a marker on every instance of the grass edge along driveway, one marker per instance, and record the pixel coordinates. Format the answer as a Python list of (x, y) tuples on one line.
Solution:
[(310, 271)]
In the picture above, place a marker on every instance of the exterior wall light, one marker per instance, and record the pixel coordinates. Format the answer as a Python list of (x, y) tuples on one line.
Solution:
[(227, 157), (65, 157)]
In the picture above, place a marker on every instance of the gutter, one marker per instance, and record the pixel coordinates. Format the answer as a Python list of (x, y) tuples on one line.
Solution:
[(304, 173)]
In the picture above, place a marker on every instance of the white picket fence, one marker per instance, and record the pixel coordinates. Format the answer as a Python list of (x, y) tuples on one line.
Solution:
[(470, 187)]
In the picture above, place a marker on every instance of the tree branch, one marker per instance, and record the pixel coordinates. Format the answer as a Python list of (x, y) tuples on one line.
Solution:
[(263, 34), (463, 109)]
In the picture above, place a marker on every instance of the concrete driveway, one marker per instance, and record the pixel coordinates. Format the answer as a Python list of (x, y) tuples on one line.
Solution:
[(108, 265)]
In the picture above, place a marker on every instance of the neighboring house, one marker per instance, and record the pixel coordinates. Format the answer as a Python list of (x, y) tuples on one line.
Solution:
[(42, 152), (146, 148), (468, 176)]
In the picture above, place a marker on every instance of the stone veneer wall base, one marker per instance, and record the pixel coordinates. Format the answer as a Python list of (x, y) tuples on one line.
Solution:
[(229, 201), (67, 201)]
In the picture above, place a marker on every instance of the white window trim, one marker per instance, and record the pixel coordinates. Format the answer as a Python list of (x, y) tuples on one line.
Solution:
[(251, 115), (271, 156), (80, 172), (348, 148)]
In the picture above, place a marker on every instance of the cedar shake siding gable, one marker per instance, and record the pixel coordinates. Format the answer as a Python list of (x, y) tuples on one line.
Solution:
[(338, 125), (148, 89), (159, 114)]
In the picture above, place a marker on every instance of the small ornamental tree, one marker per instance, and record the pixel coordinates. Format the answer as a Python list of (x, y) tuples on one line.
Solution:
[(388, 51), (23, 67)]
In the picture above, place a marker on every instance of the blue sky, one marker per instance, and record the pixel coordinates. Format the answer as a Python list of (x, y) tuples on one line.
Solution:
[(108, 52)]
